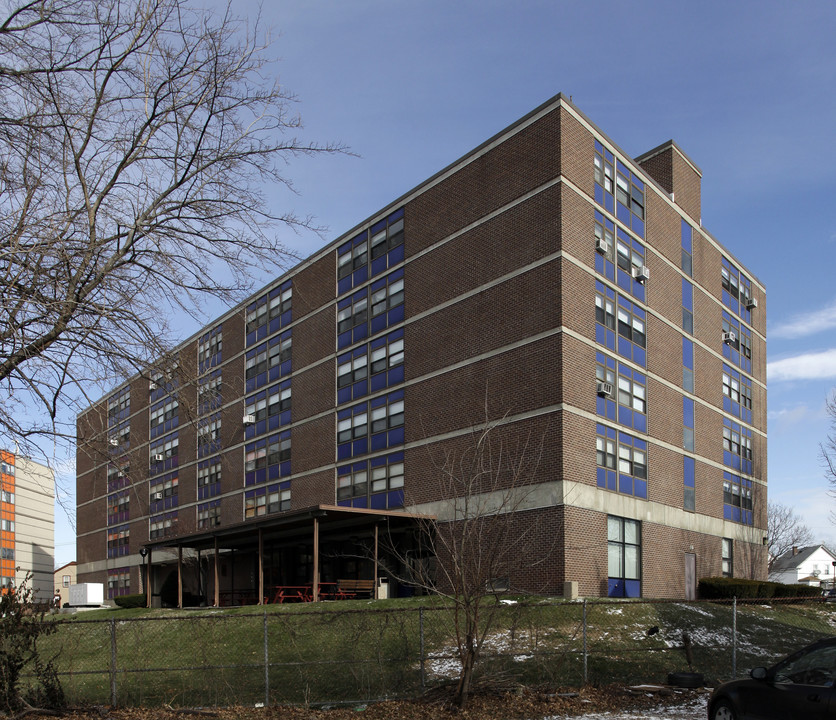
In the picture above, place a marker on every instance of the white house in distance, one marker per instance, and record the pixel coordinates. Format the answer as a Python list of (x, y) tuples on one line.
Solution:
[(812, 565)]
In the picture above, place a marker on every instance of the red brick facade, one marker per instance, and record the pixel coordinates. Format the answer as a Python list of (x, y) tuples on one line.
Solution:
[(499, 321)]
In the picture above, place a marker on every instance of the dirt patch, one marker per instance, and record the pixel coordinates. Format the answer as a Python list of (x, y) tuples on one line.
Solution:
[(523, 703)]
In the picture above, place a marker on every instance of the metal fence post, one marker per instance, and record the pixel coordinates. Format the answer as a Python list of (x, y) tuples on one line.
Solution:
[(734, 639), (266, 665), (421, 642), (113, 663), (585, 669)]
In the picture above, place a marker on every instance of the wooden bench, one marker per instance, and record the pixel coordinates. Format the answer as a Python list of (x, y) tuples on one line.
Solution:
[(353, 588)]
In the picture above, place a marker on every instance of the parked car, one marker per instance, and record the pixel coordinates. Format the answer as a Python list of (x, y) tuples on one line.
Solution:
[(800, 686), (829, 595)]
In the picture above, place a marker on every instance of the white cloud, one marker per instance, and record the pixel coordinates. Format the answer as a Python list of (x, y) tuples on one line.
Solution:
[(806, 324), (809, 366), (791, 416)]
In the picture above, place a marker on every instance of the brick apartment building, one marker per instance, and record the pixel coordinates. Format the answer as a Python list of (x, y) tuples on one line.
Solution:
[(545, 278), (27, 523)]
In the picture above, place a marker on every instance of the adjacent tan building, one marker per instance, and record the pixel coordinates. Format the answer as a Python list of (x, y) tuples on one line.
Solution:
[(27, 513)]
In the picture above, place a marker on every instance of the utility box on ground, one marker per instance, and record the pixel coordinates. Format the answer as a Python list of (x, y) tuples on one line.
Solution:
[(86, 594)]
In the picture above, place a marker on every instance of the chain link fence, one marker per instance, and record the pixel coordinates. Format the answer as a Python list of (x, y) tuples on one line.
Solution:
[(310, 655)]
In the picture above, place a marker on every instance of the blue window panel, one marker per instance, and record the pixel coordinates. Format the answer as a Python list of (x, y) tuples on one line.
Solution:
[(395, 498), (599, 194), (251, 338), (727, 404), (344, 395), (344, 340), (687, 295), (284, 468), (360, 502), (273, 472), (746, 467), (601, 477), (688, 412), (261, 475), (686, 232), (249, 478), (639, 422), (378, 382), (396, 375), (600, 334), (727, 512), (637, 226), (396, 436), (612, 479), (360, 447), (344, 285), (379, 323), (344, 503), (625, 280), (746, 414), (344, 451), (380, 264), (396, 315), (625, 416), (378, 501), (688, 353), (359, 389), (625, 484), (615, 587), (639, 356), (605, 407), (360, 275), (623, 213), (632, 588), (625, 347), (360, 332), (379, 442), (640, 488), (689, 477), (609, 203), (638, 290)]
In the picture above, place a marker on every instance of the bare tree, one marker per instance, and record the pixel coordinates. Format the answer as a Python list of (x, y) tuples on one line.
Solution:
[(136, 141), (785, 530), (480, 537)]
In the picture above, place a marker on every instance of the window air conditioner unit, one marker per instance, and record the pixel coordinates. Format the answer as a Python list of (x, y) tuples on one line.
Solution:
[(751, 303), (156, 496), (601, 246), (729, 337), (249, 419), (605, 389), (113, 442), (152, 385), (641, 274), (158, 457)]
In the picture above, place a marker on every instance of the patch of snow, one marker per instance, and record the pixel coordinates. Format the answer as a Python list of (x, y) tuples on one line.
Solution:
[(691, 708)]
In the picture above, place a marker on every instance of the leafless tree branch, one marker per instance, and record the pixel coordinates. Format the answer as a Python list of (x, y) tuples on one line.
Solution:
[(136, 141)]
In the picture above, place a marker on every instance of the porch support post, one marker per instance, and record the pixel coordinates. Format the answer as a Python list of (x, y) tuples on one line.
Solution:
[(148, 580), (316, 559), (374, 593), (180, 576), (260, 566), (217, 576)]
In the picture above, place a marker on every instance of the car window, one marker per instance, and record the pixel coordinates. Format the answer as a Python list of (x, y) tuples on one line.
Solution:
[(816, 667)]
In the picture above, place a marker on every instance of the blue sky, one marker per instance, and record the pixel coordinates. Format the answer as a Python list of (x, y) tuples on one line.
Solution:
[(745, 88)]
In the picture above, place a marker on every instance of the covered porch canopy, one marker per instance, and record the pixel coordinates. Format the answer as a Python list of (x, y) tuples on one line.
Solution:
[(308, 524)]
